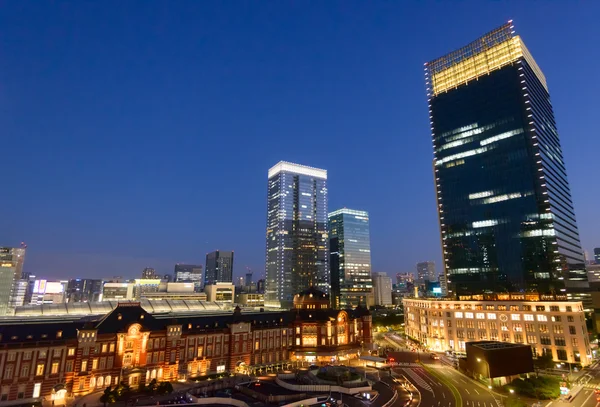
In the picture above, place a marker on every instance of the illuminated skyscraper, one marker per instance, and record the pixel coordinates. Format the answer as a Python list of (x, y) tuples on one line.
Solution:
[(11, 270), (219, 267), (426, 272), (297, 244), (350, 258), (505, 210)]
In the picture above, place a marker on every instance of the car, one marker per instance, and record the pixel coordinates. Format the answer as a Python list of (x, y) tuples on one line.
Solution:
[(434, 356)]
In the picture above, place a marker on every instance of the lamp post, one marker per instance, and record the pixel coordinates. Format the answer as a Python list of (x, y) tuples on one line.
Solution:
[(489, 374)]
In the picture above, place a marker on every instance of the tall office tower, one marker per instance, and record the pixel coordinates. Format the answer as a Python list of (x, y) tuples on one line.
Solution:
[(350, 258), (84, 290), (260, 286), (297, 245), (426, 271), (382, 289), (11, 270), (506, 216), (219, 267), (149, 273), (597, 255), (248, 281), (403, 278)]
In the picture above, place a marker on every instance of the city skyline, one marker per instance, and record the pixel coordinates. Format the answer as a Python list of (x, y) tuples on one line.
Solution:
[(127, 243)]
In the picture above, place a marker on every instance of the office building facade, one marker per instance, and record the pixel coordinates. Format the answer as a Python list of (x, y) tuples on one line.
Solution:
[(11, 270), (219, 267), (549, 324), (189, 273), (426, 272), (350, 258), (597, 255), (84, 290), (149, 273), (297, 246), (382, 289), (505, 210)]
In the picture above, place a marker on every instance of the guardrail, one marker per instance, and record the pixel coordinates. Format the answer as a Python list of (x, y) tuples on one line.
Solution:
[(217, 400), (321, 387)]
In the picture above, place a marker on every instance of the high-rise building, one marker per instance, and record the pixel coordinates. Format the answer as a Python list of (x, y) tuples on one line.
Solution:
[(505, 210), (260, 286), (403, 278), (597, 255), (297, 244), (426, 272), (11, 270), (382, 289), (350, 258), (84, 290), (187, 273), (248, 278), (149, 273), (49, 292), (219, 267)]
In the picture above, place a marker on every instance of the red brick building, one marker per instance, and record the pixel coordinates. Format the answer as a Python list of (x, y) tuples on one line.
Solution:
[(41, 359)]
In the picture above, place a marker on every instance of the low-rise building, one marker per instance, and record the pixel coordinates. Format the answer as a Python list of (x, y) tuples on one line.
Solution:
[(51, 360), (118, 291), (250, 299), (549, 324), (220, 292), (497, 362)]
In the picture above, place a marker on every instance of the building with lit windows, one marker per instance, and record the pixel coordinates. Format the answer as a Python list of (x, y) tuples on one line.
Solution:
[(382, 289), (56, 359), (11, 270), (297, 243), (350, 258), (597, 255), (549, 324), (505, 210), (426, 272), (189, 273), (325, 335), (219, 267)]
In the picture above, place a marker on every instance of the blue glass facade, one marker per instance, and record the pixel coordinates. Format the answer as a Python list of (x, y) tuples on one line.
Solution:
[(350, 247), (506, 215), (297, 244)]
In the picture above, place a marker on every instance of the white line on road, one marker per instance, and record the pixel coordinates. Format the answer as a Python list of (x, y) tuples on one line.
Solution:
[(476, 391), (588, 397), (444, 394), (468, 392)]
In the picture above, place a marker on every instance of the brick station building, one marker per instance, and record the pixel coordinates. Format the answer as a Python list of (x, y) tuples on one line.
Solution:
[(41, 359)]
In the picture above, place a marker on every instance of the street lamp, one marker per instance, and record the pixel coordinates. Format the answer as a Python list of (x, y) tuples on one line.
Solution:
[(512, 391), (488, 370)]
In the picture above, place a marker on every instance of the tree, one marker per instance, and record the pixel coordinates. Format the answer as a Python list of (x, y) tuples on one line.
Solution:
[(544, 361), (165, 388), (152, 386), (108, 396)]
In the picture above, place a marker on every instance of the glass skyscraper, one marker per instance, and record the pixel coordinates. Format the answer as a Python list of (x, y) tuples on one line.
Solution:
[(350, 248), (219, 267), (297, 244), (505, 210), (11, 270)]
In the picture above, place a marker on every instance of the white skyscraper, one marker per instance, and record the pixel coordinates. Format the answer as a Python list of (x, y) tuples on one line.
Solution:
[(382, 289)]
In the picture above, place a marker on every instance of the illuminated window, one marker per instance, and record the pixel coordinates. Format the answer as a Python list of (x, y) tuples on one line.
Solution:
[(39, 370), (480, 315), (528, 317), (491, 316), (469, 315), (458, 315), (515, 317), (54, 368), (542, 318), (84, 366)]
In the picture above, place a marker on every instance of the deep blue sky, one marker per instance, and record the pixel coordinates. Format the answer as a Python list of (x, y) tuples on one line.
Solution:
[(140, 133)]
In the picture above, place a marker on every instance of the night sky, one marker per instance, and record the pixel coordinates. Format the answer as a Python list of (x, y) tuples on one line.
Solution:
[(139, 134)]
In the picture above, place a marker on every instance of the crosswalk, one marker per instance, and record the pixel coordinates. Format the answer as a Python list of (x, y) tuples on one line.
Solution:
[(418, 379)]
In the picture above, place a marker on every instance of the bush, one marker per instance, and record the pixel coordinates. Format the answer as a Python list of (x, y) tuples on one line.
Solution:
[(542, 387), (165, 388)]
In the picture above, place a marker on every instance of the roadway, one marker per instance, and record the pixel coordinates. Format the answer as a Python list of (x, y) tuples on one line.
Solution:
[(438, 383)]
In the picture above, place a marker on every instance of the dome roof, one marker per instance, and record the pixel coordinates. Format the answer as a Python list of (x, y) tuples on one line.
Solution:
[(311, 296)]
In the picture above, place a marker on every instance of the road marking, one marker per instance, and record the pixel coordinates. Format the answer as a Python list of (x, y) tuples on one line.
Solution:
[(476, 391), (444, 394), (468, 392), (588, 397)]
